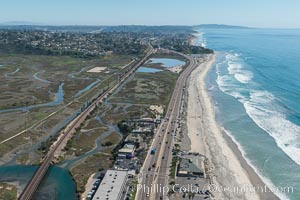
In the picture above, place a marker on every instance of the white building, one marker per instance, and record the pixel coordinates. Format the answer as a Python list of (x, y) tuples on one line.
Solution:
[(112, 186), (127, 151)]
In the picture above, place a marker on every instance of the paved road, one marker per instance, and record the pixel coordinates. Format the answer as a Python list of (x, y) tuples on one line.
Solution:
[(33, 184), (156, 167)]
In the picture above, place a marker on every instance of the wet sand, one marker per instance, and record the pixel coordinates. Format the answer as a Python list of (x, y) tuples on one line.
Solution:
[(229, 172)]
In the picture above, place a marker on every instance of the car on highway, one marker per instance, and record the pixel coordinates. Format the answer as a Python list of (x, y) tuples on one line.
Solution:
[(153, 150)]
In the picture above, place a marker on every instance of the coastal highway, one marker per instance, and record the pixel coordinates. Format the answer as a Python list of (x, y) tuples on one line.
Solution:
[(67, 133), (156, 167)]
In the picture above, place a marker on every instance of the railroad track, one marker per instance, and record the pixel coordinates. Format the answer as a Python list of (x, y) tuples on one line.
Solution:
[(35, 181)]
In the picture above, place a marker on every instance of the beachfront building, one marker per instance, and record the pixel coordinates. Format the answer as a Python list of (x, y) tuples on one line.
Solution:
[(146, 129), (127, 151), (112, 186), (187, 168)]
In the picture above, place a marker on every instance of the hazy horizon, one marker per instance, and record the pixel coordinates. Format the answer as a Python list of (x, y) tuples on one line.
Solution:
[(43, 24), (20, 23), (266, 14)]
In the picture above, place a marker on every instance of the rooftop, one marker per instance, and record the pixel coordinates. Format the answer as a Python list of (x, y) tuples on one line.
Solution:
[(111, 186), (186, 165), (127, 148)]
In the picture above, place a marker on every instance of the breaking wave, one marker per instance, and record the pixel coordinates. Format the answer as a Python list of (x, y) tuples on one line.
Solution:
[(261, 105)]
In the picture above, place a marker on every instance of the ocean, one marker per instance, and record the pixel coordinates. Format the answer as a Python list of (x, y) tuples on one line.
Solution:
[(255, 86)]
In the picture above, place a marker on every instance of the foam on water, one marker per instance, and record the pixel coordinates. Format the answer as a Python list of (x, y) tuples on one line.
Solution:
[(260, 105), (235, 67), (199, 40), (268, 182), (260, 108), (228, 85), (243, 78)]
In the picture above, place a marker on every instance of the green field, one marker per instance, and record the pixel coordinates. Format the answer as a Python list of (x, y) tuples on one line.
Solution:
[(21, 89), (148, 88)]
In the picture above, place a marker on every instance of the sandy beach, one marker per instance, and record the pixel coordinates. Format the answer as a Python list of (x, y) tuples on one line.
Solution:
[(88, 186), (228, 169)]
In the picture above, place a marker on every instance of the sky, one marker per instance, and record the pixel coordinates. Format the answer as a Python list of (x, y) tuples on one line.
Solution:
[(252, 13)]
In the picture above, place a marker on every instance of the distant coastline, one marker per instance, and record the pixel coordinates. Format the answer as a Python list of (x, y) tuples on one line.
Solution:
[(220, 26), (117, 28)]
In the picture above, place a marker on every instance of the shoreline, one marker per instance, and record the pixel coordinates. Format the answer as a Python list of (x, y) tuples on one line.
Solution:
[(253, 176), (227, 166)]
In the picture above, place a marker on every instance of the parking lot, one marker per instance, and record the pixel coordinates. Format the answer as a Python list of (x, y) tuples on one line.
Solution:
[(187, 187)]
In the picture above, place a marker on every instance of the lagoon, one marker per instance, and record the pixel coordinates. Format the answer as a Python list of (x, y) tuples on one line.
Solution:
[(166, 62), (58, 183), (148, 70)]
